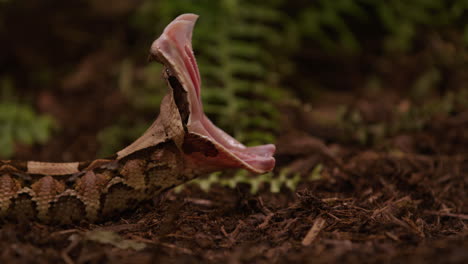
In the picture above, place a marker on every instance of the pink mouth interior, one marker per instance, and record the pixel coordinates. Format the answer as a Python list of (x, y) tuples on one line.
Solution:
[(175, 44)]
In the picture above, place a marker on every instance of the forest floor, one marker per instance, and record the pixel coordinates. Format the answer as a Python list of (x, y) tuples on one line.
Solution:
[(401, 200)]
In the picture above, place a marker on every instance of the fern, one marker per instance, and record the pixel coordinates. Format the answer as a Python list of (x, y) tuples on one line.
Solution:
[(237, 48), (333, 23), (275, 182), (326, 22), (238, 45), (242, 177)]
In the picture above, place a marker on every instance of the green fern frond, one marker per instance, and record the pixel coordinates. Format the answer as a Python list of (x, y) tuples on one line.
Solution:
[(284, 179), (238, 46), (330, 22)]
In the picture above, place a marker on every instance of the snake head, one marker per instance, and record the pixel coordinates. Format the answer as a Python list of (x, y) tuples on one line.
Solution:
[(204, 145)]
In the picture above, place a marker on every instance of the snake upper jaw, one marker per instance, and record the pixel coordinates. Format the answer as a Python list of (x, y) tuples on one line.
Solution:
[(204, 144)]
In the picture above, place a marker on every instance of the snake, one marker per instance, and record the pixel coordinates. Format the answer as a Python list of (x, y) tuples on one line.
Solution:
[(180, 145)]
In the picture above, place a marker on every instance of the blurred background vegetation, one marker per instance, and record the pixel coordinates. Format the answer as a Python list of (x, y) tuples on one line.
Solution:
[(74, 82)]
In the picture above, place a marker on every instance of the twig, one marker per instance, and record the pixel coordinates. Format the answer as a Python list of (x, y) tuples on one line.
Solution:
[(318, 225), (228, 236), (461, 216), (202, 202), (65, 232), (265, 222), (180, 249), (333, 216), (392, 236), (75, 240)]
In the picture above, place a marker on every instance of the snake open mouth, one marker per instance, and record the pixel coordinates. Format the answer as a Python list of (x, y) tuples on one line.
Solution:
[(174, 49)]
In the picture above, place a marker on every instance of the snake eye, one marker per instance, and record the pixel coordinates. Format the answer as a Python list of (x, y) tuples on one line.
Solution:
[(166, 73)]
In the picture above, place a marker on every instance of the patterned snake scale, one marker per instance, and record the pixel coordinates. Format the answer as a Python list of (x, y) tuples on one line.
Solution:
[(180, 145)]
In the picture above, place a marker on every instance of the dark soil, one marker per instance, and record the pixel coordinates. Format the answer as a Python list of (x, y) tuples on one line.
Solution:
[(401, 198)]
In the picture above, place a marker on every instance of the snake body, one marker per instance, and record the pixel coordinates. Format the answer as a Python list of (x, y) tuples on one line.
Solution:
[(180, 145)]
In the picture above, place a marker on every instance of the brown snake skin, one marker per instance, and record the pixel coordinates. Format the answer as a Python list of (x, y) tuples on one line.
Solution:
[(180, 145)]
